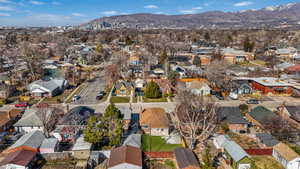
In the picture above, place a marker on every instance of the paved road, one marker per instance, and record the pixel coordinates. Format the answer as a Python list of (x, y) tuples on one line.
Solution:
[(91, 90)]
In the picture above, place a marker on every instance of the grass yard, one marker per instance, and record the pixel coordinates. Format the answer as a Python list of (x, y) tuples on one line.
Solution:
[(243, 140), (161, 164), (58, 99), (147, 100), (116, 99), (263, 162), (158, 144), (259, 62)]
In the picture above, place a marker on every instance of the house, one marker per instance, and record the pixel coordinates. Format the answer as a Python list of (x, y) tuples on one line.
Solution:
[(271, 86), (8, 118), (286, 156), (133, 140), (134, 60), (82, 149), (242, 87), (234, 153), (165, 85), (186, 158), (199, 88), (154, 121), (68, 127), (233, 117), (123, 88), (234, 56), (125, 157), (266, 140), (6, 90), (48, 87), (286, 53), (261, 116), (21, 159), (49, 145), (34, 119), (30, 141)]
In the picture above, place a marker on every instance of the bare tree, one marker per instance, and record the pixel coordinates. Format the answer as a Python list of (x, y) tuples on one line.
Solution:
[(49, 117), (216, 73), (194, 117)]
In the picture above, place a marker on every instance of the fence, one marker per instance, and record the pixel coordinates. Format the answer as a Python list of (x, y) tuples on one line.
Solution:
[(57, 156), (266, 151), (159, 154)]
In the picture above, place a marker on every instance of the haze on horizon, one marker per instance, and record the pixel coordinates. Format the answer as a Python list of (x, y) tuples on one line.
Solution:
[(68, 12)]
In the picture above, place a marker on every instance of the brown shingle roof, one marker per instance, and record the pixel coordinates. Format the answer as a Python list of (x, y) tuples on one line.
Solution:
[(285, 151), (125, 154), (21, 157), (154, 118), (186, 158)]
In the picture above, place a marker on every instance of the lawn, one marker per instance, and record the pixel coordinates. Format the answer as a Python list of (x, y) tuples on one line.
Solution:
[(58, 99), (259, 62), (161, 164), (263, 162), (116, 99), (147, 100), (157, 143)]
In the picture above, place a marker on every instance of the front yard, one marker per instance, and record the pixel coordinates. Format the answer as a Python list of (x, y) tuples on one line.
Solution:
[(116, 99), (147, 100), (157, 144)]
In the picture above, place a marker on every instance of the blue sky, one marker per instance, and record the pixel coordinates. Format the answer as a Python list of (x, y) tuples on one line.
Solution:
[(72, 12)]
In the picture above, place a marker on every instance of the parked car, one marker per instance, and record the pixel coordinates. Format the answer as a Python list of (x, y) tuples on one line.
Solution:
[(219, 97), (75, 98), (24, 104), (252, 101), (100, 95)]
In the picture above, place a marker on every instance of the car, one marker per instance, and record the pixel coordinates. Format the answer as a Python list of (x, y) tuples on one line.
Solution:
[(100, 95), (252, 101), (24, 104), (75, 98), (219, 97)]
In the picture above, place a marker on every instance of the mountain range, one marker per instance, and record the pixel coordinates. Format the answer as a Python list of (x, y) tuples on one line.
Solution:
[(287, 15)]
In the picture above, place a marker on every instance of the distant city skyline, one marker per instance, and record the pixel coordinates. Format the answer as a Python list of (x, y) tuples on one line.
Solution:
[(73, 12)]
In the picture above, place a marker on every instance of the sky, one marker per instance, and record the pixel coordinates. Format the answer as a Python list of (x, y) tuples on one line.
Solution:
[(74, 12)]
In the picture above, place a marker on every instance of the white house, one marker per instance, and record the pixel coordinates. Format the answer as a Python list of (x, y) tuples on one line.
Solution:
[(286, 156), (198, 88), (47, 88)]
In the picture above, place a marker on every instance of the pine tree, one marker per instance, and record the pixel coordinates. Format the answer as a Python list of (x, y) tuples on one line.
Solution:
[(152, 90)]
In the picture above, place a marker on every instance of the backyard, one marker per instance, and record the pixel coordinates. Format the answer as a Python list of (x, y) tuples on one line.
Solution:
[(263, 162), (157, 144)]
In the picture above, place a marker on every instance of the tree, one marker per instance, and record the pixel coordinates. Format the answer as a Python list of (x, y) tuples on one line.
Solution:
[(49, 117), (194, 117), (197, 61), (173, 77), (248, 45), (207, 159), (152, 90), (163, 57), (216, 74), (207, 36), (106, 129)]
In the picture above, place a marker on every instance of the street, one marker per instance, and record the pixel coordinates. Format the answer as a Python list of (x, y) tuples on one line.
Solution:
[(90, 91)]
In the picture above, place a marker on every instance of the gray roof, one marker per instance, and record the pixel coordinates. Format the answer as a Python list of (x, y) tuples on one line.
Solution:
[(185, 158), (50, 84), (77, 116), (230, 115), (128, 85), (49, 143), (263, 115), (234, 150), (81, 144), (133, 140), (33, 139), (294, 112), (30, 118), (267, 139)]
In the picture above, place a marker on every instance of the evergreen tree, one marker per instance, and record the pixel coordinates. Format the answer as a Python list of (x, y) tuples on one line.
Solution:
[(207, 36), (248, 45), (153, 90), (172, 77), (197, 61), (163, 57)]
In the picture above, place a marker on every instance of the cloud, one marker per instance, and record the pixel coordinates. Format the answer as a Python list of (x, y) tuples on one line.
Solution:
[(188, 11), (6, 8), (4, 14), (151, 7), (78, 14), (55, 3), (244, 3), (5, 1), (34, 2), (197, 8), (110, 12)]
